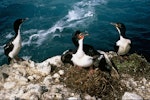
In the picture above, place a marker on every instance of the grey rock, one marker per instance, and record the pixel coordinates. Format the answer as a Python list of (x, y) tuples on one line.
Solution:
[(131, 96)]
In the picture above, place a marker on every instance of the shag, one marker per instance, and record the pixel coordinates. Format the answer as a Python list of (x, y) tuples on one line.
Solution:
[(123, 45), (88, 49), (12, 48), (80, 58)]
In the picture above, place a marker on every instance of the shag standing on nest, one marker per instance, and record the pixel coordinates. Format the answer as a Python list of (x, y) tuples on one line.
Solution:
[(12, 48), (123, 45), (87, 56), (88, 49)]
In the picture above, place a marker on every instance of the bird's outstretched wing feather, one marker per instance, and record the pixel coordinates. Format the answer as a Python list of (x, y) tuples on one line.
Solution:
[(8, 47)]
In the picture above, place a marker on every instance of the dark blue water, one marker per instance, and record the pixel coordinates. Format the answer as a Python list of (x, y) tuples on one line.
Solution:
[(51, 23)]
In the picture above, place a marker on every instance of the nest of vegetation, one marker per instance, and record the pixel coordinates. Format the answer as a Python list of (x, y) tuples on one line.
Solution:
[(100, 84)]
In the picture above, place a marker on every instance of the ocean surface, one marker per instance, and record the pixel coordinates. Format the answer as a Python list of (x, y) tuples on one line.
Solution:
[(51, 23)]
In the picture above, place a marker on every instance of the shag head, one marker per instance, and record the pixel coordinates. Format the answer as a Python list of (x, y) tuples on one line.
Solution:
[(76, 36), (121, 28), (77, 33), (81, 35), (17, 23)]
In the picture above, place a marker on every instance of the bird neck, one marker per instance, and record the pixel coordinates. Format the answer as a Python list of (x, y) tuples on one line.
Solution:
[(17, 35), (17, 29), (121, 37), (80, 48), (118, 31), (121, 32), (81, 44)]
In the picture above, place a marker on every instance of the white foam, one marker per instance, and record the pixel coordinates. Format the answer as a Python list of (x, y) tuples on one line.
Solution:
[(26, 57), (72, 15), (85, 3), (89, 14), (9, 36), (80, 13), (30, 31), (30, 40)]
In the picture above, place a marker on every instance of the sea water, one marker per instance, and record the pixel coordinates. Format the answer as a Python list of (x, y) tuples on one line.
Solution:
[(51, 23)]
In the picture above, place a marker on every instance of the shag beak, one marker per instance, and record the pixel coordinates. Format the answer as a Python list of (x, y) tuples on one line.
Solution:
[(84, 34), (24, 19), (114, 24)]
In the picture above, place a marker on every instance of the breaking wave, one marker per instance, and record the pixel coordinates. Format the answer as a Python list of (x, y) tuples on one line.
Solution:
[(80, 13)]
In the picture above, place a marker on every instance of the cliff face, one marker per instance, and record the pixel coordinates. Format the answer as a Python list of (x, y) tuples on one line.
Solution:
[(51, 79)]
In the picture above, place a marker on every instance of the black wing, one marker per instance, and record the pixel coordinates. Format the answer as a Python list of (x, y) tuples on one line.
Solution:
[(66, 58), (8, 47), (89, 50)]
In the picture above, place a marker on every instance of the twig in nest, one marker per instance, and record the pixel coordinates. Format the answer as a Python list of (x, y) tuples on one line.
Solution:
[(112, 87), (104, 86)]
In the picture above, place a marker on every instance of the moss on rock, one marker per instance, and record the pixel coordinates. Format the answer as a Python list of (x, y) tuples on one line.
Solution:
[(134, 64)]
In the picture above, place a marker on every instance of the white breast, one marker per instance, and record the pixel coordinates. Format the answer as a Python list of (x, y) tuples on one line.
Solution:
[(80, 58), (84, 61), (17, 46), (124, 46)]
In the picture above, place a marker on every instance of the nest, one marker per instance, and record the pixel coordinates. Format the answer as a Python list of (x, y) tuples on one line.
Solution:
[(99, 84)]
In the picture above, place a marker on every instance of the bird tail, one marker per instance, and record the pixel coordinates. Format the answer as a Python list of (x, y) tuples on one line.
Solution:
[(106, 57), (9, 60), (114, 72)]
